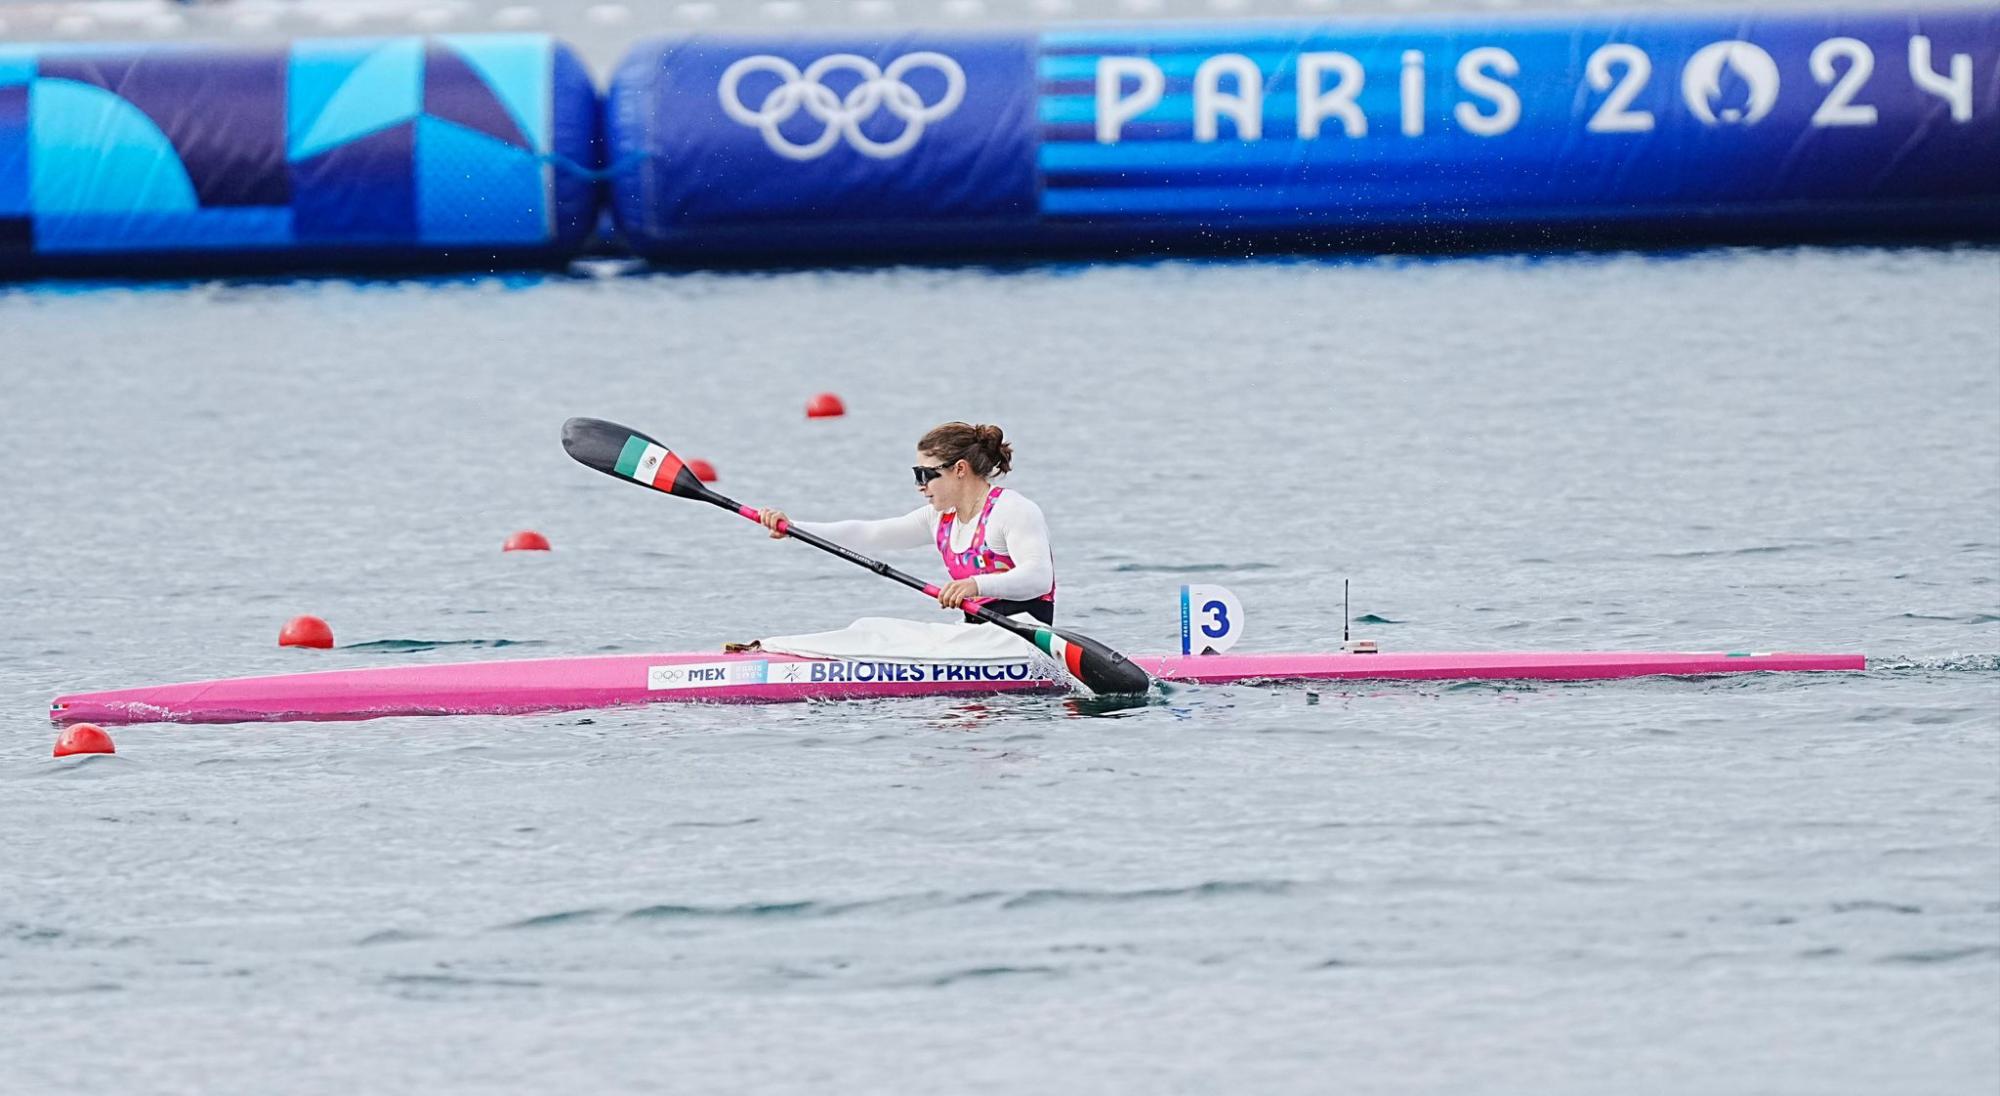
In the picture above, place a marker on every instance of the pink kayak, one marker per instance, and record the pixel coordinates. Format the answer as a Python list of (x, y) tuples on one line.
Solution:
[(568, 684)]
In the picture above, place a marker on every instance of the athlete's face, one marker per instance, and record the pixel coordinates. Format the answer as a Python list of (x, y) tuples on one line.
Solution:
[(938, 481)]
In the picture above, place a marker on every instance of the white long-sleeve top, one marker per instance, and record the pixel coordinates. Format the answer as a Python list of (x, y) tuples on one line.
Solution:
[(1015, 529)]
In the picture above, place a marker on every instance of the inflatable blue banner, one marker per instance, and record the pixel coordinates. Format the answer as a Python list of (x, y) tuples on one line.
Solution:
[(1381, 131), (1421, 132), (329, 151)]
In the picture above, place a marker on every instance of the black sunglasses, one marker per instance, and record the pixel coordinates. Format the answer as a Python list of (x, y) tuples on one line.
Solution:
[(927, 473)]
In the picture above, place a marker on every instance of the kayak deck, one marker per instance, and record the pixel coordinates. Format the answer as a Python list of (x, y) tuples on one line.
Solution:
[(522, 686)]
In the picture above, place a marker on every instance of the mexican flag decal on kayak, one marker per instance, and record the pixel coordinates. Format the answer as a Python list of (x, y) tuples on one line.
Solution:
[(649, 462), (1069, 654)]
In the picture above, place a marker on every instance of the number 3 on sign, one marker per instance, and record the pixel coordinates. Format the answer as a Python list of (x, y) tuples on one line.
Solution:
[(1211, 620)]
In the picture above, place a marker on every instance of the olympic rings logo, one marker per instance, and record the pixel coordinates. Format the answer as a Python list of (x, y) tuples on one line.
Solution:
[(842, 115)]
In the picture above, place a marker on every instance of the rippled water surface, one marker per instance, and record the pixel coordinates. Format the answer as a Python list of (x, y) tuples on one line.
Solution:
[(1770, 885)]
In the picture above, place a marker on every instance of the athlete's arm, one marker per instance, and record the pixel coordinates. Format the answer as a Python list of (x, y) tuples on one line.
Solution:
[(916, 529), (1017, 528)]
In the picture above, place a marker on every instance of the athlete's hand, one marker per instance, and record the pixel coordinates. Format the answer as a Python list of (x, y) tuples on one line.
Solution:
[(954, 593), (776, 522)]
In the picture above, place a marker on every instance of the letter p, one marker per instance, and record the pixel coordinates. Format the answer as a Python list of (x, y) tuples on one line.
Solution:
[(1114, 107)]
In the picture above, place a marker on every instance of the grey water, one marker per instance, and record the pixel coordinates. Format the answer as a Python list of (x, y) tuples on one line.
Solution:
[(1783, 884)]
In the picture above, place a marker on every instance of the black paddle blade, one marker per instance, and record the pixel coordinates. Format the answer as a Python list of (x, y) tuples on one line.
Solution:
[(1103, 670), (626, 453)]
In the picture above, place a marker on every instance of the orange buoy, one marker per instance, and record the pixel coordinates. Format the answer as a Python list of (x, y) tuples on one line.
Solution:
[(306, 631), (703, 471), (826, 405), (84, 738), (527, 540)]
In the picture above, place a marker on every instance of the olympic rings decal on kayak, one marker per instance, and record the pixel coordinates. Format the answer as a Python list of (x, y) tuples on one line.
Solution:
[(842, 115)]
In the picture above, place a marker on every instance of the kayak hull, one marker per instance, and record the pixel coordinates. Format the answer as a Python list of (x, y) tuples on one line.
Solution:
[(614, 681)]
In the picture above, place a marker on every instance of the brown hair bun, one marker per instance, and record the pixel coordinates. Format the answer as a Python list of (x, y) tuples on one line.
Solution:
[(983, 446)]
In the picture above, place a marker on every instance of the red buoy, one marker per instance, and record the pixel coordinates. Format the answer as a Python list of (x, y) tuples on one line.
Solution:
[(84, 738), (306, 631), (826, 405), (527, 540), (703, 471)]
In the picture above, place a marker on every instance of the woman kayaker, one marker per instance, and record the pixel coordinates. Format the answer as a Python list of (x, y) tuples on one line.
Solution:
[(995, 543)]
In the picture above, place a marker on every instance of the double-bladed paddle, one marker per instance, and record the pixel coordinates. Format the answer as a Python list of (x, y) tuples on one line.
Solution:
[(629, 455)]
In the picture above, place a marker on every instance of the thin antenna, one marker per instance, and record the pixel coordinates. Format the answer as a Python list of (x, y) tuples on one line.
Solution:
[(1343, 613)]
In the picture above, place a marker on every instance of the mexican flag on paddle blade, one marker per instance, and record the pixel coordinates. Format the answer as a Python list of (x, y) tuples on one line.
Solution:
[(648, 462), (1069, 654)]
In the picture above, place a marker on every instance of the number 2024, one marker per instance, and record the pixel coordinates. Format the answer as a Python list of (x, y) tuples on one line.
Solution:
[(1843, 65)]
